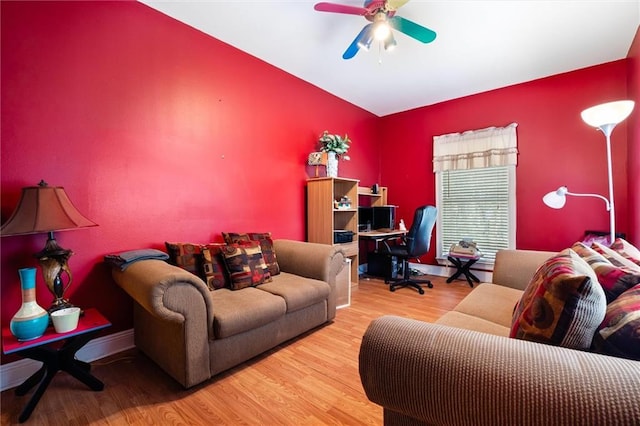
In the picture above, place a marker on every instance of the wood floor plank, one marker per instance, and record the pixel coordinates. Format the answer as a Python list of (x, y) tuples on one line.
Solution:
[(311, 380)]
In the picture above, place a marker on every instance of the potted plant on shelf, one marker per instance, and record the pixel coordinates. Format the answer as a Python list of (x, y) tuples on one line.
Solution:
[(336, 147)]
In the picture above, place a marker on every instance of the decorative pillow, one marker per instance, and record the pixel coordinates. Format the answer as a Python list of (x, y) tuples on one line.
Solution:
[(245, 265), (562, 305), (627, 250), (614, 280), (619, 333), (186, 256), (213, 266), (614, 257), (266, 245)]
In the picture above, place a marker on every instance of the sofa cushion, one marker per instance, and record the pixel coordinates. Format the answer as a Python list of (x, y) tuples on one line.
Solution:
[(627, 250), (470, 322), (245, 265), (243, 310), (266, 245), (619, 333), (491, 302), (614, 280), (298, 292), (563, 305)]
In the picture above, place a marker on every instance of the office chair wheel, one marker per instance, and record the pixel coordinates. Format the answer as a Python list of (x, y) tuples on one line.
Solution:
[(392, 288), (430, 285), (421, 291)]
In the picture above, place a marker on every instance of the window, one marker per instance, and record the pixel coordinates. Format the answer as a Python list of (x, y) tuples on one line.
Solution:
[(475, 190), (477, 204)]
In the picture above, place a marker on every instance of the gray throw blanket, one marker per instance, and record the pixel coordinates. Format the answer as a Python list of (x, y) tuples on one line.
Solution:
[(126, 258)]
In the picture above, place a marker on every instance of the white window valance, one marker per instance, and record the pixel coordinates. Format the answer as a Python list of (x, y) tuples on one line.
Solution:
[(490, 147)]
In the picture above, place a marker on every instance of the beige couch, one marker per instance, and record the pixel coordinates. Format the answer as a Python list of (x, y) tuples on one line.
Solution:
[(193, 333), (464, 370)]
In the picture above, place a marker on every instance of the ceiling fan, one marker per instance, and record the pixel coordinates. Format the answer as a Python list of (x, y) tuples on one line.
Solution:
[(382, 17)]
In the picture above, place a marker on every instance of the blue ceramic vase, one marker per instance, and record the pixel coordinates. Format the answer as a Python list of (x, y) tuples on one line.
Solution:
[(31, 320)]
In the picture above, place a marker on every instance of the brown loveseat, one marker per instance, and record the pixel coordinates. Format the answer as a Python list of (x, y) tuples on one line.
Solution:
[(193, 333), (465, 370)]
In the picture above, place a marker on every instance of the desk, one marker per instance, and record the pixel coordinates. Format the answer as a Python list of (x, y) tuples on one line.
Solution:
[(380, 264), (462, 264), (380, 235), (56, 359)]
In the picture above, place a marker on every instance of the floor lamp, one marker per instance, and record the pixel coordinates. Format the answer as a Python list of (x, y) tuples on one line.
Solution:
[(603, 117)]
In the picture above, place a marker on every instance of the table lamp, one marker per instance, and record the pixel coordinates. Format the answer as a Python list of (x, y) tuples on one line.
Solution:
[(45, 209)]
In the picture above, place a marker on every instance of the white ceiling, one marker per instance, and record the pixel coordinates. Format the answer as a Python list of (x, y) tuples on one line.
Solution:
[(480, 45)]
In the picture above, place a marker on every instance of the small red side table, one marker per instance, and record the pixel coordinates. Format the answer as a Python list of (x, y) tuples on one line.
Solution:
[(55, 359)]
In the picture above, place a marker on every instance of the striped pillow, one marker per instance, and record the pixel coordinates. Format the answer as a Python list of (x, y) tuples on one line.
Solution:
[(562, 305)]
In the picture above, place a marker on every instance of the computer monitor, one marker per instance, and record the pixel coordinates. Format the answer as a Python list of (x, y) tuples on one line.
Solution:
[(384, 217)]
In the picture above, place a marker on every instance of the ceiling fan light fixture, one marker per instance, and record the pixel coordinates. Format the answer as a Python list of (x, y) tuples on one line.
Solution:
[(365, 43), (390, 43), (381, 31)]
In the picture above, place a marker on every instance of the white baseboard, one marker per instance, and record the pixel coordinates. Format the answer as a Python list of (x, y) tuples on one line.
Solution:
[(439, 271), (14, 373), (447, 271)]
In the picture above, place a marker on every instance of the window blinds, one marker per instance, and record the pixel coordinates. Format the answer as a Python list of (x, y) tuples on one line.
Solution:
[(475, 204)]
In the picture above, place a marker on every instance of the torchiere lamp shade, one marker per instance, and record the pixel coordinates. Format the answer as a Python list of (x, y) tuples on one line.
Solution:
[(42, 209)]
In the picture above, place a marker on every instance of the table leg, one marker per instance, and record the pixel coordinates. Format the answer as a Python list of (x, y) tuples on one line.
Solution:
[(458, 272), (463, 267), (31, 381), (53, 361)]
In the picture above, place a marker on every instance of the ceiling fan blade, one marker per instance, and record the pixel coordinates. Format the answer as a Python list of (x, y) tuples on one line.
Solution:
[(412, 29), (362, 37), (395, 4), (340, 8)]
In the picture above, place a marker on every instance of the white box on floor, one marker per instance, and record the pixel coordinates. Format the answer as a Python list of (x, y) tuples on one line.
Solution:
[(343, 286)]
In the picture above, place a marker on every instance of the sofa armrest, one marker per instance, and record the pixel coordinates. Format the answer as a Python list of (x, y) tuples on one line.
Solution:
[(151, 282), (431, 374), (312, 260), (173, 317)]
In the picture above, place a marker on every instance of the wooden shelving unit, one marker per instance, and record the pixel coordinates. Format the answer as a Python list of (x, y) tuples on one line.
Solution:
[(323, 218), (379, 199)]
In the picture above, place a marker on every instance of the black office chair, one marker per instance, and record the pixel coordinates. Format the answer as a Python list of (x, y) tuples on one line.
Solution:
[(415, 244)]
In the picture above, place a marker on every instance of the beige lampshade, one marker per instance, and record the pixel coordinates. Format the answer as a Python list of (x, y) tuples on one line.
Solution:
[(42, 209)]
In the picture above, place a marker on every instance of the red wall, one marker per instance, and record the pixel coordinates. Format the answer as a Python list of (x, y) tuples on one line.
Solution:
[(555, 148), (157, 132), (633, 166)]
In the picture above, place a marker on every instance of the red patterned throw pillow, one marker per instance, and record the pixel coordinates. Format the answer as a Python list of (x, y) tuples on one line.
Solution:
[(213, 266), (266, 245), (562, 305), (614, 280), (614, 257), (619, 333), (627, 250), (245, 265), (203, 260), (185, 255)]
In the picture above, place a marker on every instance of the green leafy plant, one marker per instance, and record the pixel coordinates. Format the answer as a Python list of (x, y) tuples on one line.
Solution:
[(334, 143)]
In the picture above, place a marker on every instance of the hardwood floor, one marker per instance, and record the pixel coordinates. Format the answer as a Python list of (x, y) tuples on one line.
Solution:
[(311, 380)]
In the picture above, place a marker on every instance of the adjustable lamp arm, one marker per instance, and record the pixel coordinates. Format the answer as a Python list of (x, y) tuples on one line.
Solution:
[(606, 202)]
